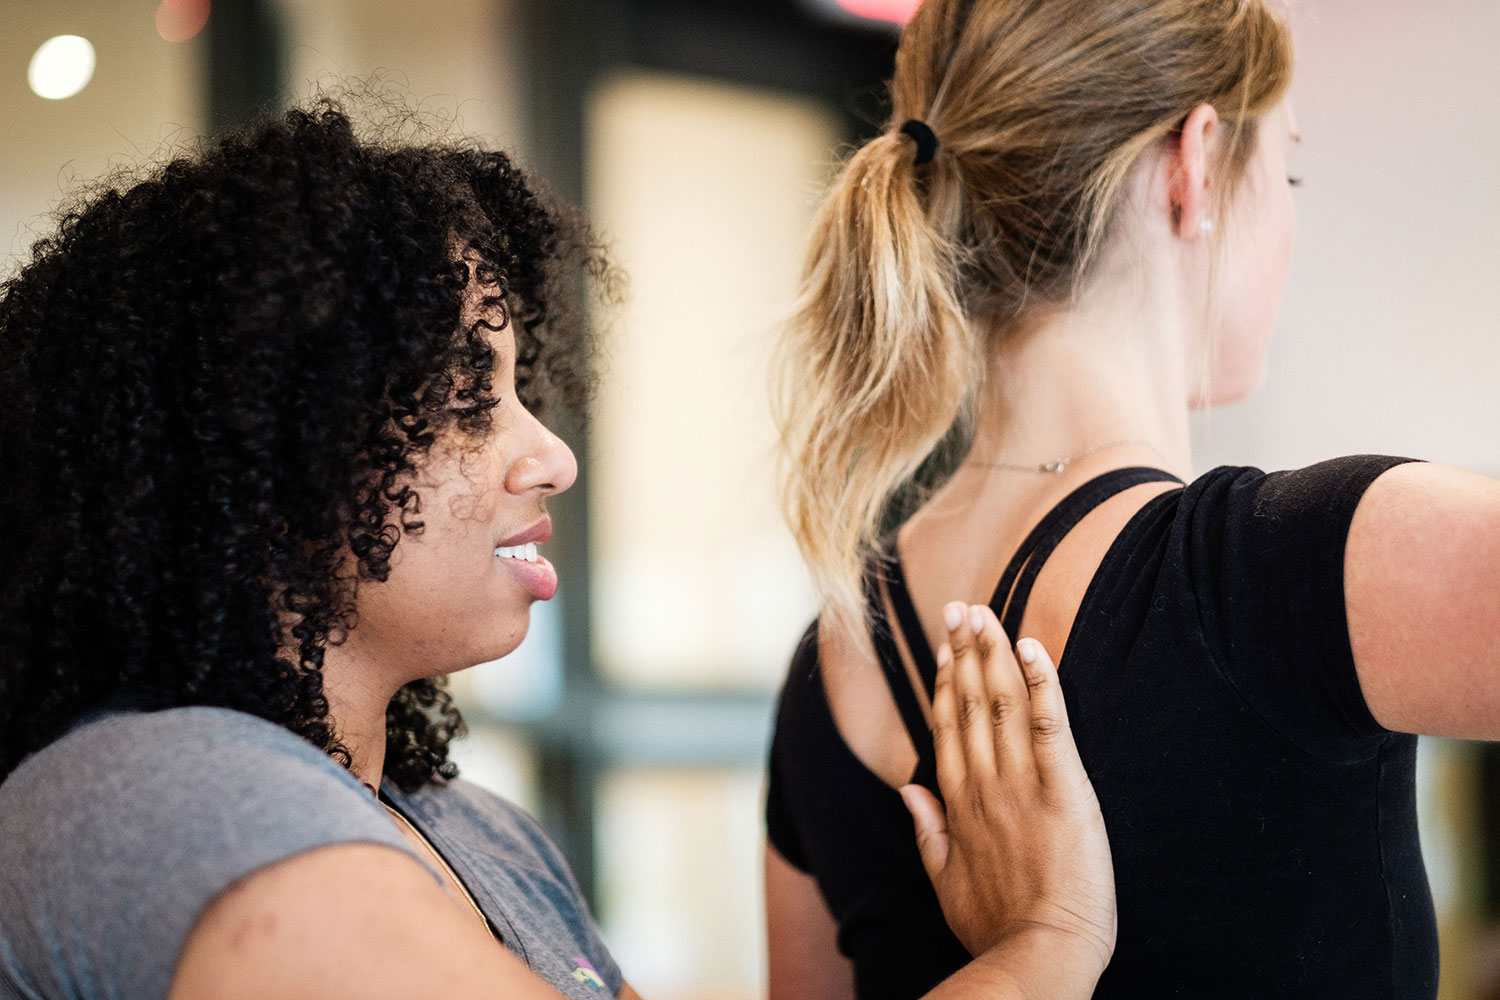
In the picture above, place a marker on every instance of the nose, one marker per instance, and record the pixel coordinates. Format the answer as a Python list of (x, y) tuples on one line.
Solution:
[(545, 463)]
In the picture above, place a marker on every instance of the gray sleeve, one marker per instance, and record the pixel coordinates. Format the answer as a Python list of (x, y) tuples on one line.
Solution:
[(116, 836)]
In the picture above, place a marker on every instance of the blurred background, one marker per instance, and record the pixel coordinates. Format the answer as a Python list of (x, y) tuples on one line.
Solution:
[(697, 136)]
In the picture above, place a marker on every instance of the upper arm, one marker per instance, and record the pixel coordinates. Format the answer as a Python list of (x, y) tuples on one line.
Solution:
[(801, 937), (1422, 592), (139, 821), (351, 920)]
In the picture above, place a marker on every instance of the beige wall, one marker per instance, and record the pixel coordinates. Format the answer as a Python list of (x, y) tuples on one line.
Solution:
[(1390, 334), (449, 56), (144, 92), (696, 581)]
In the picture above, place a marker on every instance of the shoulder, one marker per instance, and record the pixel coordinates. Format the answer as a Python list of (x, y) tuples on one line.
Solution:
[(1333, 486), (1260, 560), (490, 825), (139, 819), (108, 748), (459, 805), (1241, 516), (124, 767), (512, 859), (818, 641), (802, 699)]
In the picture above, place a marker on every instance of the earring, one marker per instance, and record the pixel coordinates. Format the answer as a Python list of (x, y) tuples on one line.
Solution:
[(1207, 225)]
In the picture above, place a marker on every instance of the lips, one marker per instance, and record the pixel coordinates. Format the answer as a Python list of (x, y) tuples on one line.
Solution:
[(538, 533), (539, 578), (518, 556)]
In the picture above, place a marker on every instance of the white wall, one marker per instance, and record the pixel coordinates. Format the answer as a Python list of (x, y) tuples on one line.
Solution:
[(1390, 333)]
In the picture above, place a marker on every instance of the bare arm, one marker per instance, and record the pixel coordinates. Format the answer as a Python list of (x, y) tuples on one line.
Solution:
[(353, 920), (1422, 594), (805, 963), (804, 960)]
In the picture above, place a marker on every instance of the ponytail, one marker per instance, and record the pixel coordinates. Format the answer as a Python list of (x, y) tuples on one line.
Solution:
[(1038, 111), (879, 360)]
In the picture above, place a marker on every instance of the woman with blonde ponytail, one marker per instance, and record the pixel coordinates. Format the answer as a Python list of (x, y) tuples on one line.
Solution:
[(1076, 227)]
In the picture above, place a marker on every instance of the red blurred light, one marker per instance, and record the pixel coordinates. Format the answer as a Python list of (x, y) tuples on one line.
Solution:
[(895, 11), (179, 20)]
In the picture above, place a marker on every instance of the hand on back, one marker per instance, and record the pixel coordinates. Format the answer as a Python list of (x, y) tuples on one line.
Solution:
[(1019, 843)]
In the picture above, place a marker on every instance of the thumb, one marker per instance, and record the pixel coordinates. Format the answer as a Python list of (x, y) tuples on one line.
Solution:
[(932, 828)]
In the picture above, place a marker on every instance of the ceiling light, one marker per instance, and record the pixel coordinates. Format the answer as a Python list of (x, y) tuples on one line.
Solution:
[(61, 67)]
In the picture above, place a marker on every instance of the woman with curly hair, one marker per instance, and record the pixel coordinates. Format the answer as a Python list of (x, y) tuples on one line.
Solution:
[(273, 471)]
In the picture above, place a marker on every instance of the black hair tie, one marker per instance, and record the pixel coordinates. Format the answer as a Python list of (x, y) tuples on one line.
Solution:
[(925, 138)]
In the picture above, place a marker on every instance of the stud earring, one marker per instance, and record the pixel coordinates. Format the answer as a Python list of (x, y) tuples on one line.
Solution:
[(1207, 225)]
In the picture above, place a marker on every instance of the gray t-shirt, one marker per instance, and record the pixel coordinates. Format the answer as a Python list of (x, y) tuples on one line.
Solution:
[(116, 836)]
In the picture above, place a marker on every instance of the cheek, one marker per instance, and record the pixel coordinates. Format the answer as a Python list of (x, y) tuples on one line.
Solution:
[(1255, 277)]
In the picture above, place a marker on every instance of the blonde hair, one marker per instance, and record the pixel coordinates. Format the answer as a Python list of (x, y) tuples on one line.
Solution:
[(1041, 108)]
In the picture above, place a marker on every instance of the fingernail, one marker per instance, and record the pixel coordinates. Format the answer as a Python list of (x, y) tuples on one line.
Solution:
[(953, 616), (1027, 649), (976, 618), (944, 656)]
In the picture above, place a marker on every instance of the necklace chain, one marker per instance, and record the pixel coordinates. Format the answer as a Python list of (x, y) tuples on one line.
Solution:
[(403, 821), (1057, 466)]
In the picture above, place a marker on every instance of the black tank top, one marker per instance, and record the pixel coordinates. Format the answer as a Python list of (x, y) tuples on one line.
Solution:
[(1262, 824)]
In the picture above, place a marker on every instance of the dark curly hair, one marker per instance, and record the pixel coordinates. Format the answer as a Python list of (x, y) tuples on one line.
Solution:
[(218, 373)]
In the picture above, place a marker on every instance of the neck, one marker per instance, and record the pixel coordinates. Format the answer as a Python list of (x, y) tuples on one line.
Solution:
[(357, 698), (1083, 378)]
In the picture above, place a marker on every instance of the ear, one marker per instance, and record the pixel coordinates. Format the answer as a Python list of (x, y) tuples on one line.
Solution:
[(1189, 155)]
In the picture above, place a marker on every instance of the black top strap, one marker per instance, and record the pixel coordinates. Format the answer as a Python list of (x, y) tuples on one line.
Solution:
[(908, 621), (1011, 595), (890, 662), (911, 627), (1019, 576)]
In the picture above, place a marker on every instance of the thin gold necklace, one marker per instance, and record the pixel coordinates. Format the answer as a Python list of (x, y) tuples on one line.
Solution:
[(432, 851), (1057, 466)]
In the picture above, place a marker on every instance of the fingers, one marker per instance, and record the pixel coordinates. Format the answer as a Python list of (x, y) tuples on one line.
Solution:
[(966, 636), (946, 745), (1006, 700), (995, 711), (1051, 738), (932, 828)]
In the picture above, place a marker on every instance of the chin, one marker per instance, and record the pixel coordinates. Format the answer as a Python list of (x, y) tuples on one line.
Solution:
[(508, 640), (499, 639)]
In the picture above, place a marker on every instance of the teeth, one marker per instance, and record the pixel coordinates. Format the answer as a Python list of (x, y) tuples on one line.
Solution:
[(525, 552)]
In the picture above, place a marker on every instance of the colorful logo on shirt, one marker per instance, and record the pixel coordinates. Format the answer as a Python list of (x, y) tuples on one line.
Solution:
[(586, 973)]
